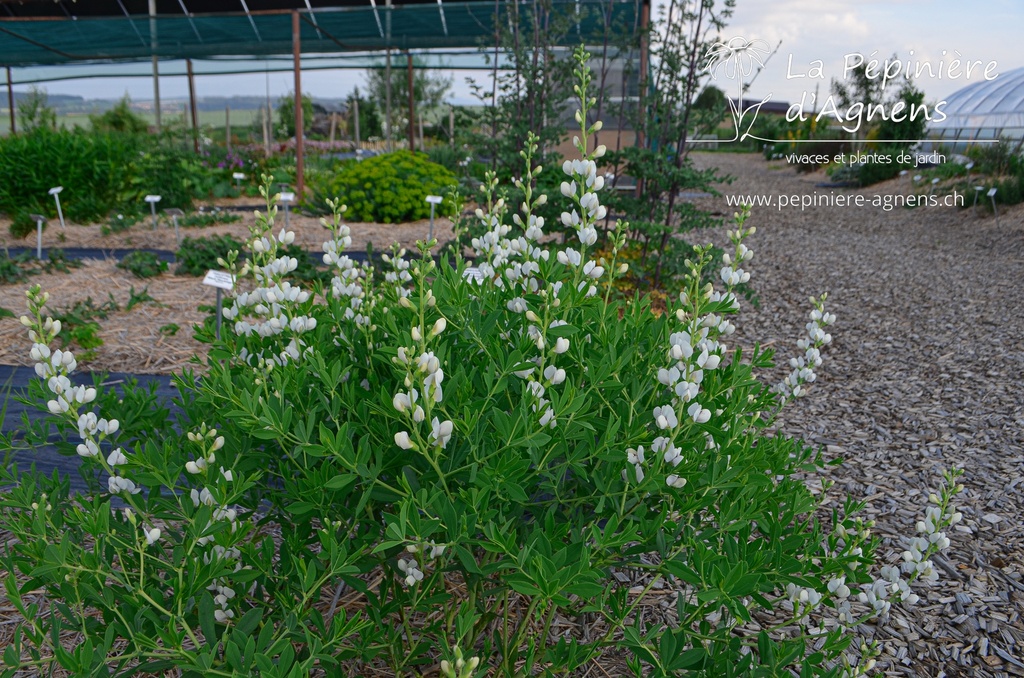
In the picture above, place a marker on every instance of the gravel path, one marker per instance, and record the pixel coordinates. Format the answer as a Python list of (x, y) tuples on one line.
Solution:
[(924, 373)]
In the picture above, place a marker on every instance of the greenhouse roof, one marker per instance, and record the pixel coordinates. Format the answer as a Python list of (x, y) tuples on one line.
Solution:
[(986, 109), (48, 32)]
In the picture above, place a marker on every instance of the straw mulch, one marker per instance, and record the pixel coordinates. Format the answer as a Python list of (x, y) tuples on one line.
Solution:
[(309, 234), (132, 340)]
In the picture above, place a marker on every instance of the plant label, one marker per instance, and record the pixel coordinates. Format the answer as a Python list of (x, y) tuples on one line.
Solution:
[(219, 279)]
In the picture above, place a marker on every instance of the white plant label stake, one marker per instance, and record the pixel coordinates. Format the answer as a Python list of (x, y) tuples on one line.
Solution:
[(238, 176), (221, 280), (55, 192), (40, 222), (287, 199), (434, 200), (995, 211), (174, 213), (153, 200)]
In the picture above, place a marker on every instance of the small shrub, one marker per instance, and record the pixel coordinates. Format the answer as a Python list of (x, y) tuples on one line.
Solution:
[(120, 119), (11, 270), (142, 264), (392, 188), (22, 225), (205, 219), (119, 223), (196, 256)]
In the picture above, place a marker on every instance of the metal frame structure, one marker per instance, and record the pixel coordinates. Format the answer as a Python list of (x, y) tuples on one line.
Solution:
[(37, 33)]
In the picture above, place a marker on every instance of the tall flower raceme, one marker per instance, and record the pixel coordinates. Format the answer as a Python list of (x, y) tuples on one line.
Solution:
[(274, 306), (54, 367), (802, 367)]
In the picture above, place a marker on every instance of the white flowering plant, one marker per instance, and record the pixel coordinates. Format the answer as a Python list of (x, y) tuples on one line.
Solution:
[(455, 469)]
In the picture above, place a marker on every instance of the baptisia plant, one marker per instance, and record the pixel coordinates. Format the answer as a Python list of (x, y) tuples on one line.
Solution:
[(428, 470)]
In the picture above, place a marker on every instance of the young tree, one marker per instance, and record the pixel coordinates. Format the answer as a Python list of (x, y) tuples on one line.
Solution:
[(663, 116), (429, 89), (34, 112), (286, 114), (369, 116)]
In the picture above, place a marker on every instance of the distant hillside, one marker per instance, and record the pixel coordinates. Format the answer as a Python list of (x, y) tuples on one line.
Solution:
[(71, 104)]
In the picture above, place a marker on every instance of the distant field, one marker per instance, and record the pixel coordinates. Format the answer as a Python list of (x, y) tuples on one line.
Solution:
[(239, 119)]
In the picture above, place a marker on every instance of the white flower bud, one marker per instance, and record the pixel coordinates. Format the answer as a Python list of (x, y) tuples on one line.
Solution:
[(402, 440)]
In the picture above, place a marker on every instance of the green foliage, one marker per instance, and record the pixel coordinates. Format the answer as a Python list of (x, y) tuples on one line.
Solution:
[(33, 111), (23, 225), (121, 119), (286, 114), (143, 264), (196, 256), (17, 269), (429, 86), (392, 188), (79, 326), (500, 473), (120, 222), (657, 214), (211, 218), (532, 87), (92, 167), (369, 117)]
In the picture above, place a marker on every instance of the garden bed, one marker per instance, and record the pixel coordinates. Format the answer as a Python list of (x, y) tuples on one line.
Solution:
[(924, 374), (308, 232)]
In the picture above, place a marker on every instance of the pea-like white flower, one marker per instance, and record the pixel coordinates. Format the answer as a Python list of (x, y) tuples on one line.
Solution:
[(403, 440), (675, 481), (665, 417), (561, 345), (152, 536), (116, 458), (516, 305), (440, 432), (699, 414), (410, 568), (117, 485), (554, 375)]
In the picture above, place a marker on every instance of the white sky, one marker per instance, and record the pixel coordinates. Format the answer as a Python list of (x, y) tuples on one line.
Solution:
[(826, 30)]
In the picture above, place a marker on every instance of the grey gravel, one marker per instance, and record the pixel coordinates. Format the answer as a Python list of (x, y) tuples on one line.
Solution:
[(924, 373)]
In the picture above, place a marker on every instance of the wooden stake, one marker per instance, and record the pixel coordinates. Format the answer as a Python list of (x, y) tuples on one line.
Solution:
[(300, 183), (192, 105), (227, 126), (10, 100), (355, 112), (334, 124), (412, 107)]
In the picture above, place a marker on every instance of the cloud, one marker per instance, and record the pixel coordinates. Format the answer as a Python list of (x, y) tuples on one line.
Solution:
[(827, 30)]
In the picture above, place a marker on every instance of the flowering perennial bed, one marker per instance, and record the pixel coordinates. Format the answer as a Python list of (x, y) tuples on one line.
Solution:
[(502, 469)]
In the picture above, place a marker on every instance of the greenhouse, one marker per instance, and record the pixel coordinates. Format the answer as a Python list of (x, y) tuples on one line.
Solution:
[(990, 109)]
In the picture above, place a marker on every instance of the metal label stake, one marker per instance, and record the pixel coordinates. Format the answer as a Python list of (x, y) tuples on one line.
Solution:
[(153, 200), (55, 192), (40, 222), (221, 280), (434, 200)]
